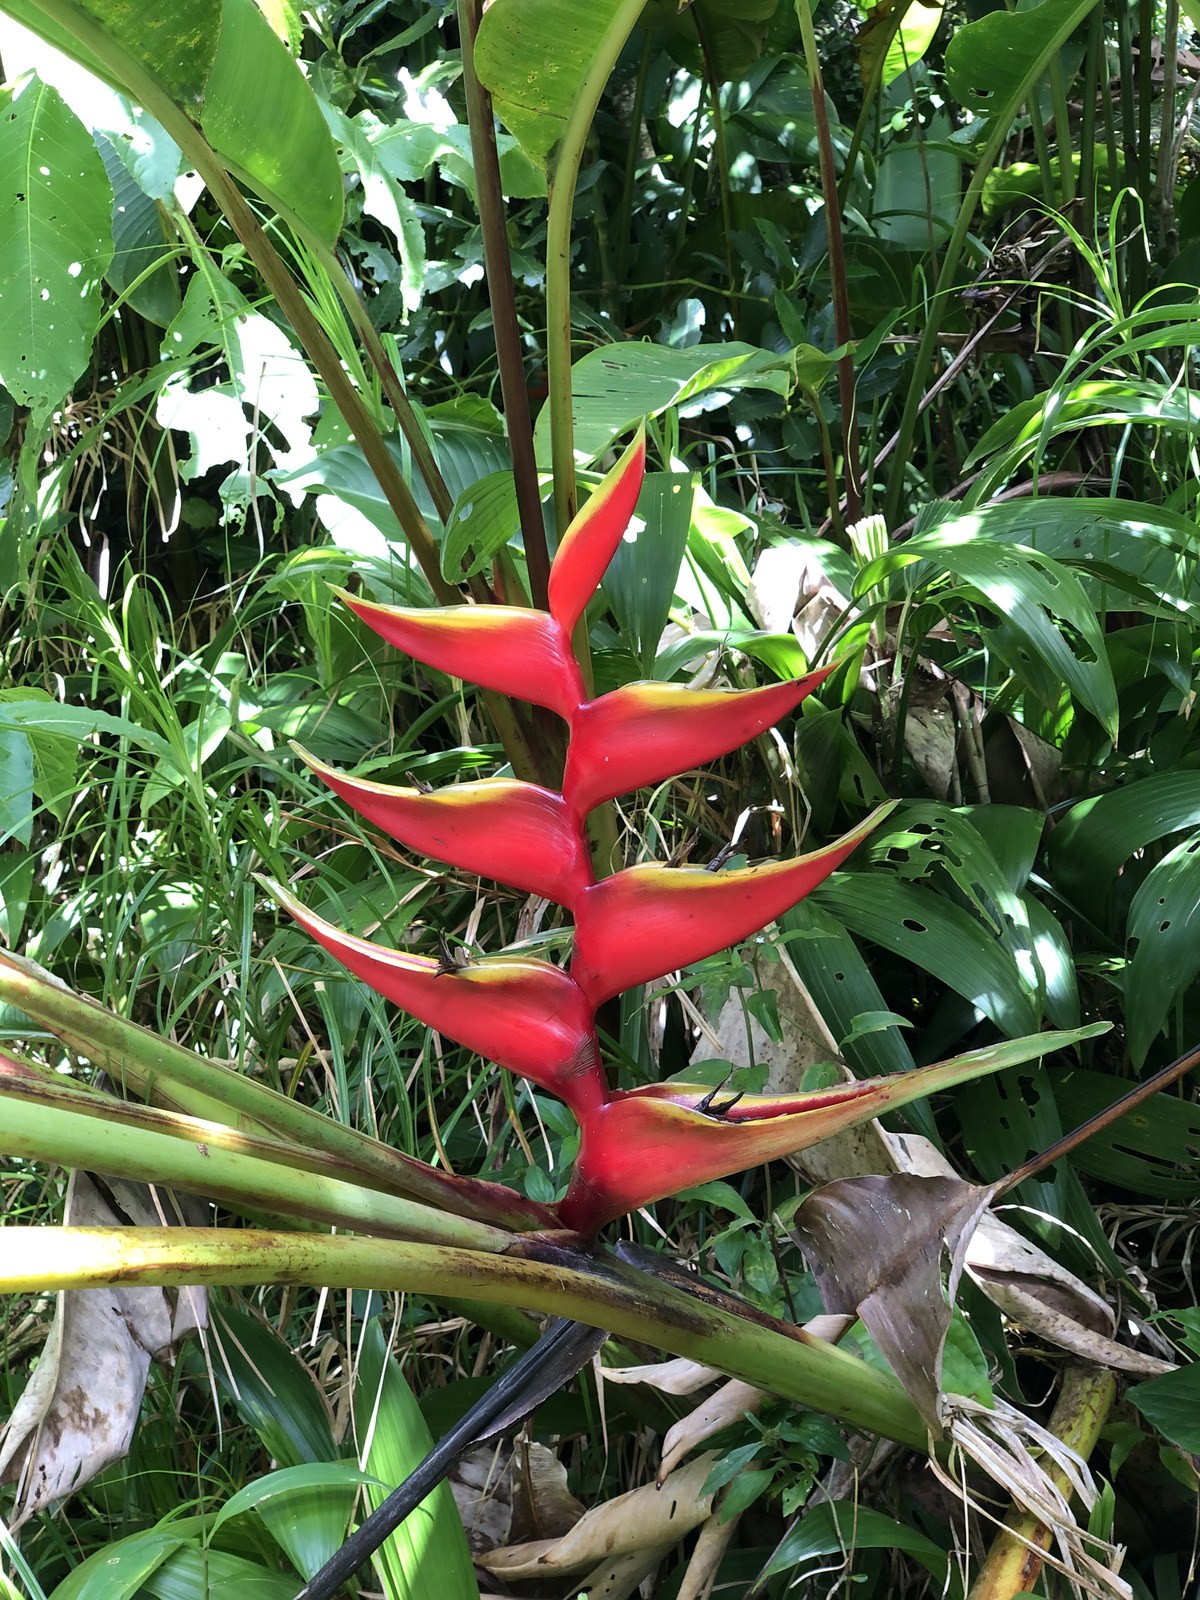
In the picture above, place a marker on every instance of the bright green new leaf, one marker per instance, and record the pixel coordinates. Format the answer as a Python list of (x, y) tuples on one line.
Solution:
[(116, 1571), (913, 37), (306, 1509), (840, 1525), (427, 1557), (55, 220), (640, 581)]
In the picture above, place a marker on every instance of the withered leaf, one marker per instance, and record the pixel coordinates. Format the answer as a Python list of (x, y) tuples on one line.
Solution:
[(876, 1245)]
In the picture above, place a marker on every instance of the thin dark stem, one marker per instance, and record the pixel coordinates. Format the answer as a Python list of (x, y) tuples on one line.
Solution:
[(502, 295), (837, 264), (1103, 1119)]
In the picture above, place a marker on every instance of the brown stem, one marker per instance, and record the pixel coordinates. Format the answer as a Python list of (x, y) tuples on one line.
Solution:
[(837, 263), (502, 295), (1102, 1119)]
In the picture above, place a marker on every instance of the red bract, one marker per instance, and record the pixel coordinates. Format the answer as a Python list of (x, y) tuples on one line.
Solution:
[(544, 848), (649, 920), (644, 732), (516, 652), (651, 1142), (591, 541), (532, 1017), (527, 1015)]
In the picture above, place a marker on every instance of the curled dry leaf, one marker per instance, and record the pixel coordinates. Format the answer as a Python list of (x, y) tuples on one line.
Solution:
[(1028, 1285), (621, 1576), (644, 1520), (875, 1245), (712, 1542), (679, 1377), (728, 1405), (543, 1506), (77, 1413)]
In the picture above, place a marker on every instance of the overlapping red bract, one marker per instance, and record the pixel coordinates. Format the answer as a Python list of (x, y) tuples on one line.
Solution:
[(537, 1019)]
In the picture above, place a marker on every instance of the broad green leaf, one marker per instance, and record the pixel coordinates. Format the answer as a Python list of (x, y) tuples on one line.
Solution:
[(120, 1569), (640, 581), (964, 1365), (306, 1509), (1031, 594), (16, 885), (409, 149), (139, 242), (427, 1557), (1172, 1404), (1098, 835), (989, 61), (938, 937), (733, 32), (1055, 961), (262, 117), (615, 387), (33, 716), (1164, 932), (839, 980), (16, 787), (195, 1574), (485, 518), (55, 220), (780, 652), (534, 56), (838, 1526), (270, 1389), (913, 37), (383, 198), (1153, 1151)]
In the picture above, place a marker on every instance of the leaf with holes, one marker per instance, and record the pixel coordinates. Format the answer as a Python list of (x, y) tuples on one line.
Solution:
[(55, 219), (1098, 835), (1164, 933)]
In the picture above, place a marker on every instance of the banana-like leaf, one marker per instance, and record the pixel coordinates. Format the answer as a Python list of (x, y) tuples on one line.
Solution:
[(221, 65)]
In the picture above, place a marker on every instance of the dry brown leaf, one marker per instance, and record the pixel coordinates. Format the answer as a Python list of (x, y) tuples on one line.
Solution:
[(680, 1377), (618, 1578), (712, 1542), (543, 1506), (1028, 1285), (482, 1486), (731, 1401), (645, 1519), (931, 739), (78, 1411), (875, 1245)]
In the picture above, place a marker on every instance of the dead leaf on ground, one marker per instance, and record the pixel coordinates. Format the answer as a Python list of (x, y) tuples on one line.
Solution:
[(730, 1403), (542, 1505), (481, 1484), (78, 1411), (620, 1577), (644, 1520)]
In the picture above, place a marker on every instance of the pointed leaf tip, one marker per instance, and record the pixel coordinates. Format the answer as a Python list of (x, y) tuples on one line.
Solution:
[(500, 828), (590, 543), (644, 732), (526, 1015), (652, 919), (506, 648)]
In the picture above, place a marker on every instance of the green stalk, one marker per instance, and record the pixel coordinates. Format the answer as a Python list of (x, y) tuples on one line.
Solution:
[(564, 176), (143, 1062), (203, 1159), (837, 263), (606, 1294), (999, 125)]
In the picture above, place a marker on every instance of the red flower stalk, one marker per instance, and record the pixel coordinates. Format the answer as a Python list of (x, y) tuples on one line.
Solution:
[(537, 1019)]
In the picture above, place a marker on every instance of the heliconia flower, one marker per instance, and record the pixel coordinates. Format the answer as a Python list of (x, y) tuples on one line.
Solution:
[(652, 919), (591, 541), (651, 1142), (514, 651), (497, 827), (527, 1015), (644, 732)]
